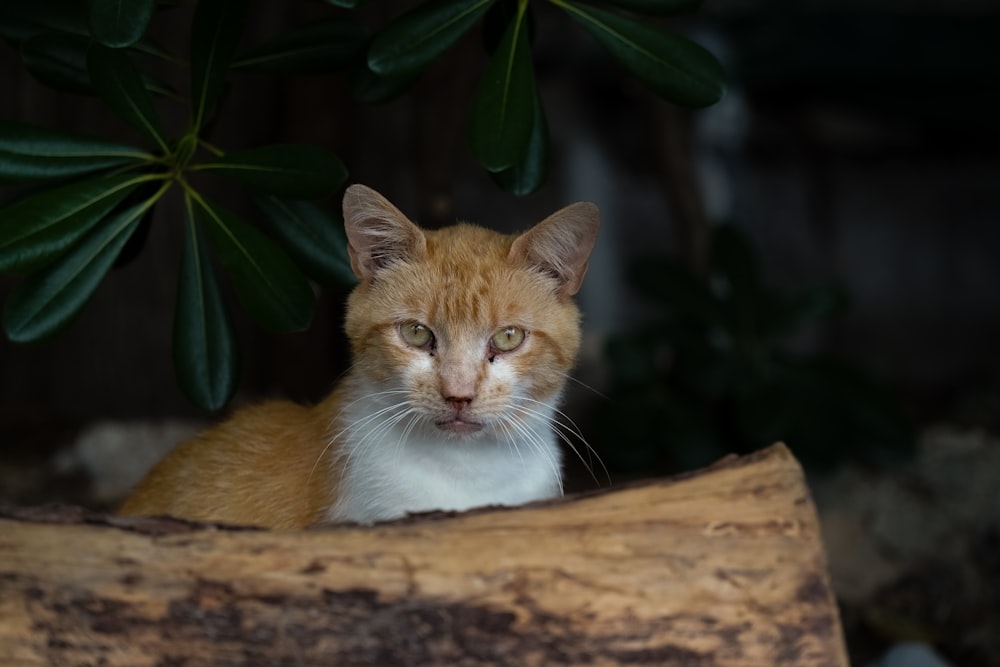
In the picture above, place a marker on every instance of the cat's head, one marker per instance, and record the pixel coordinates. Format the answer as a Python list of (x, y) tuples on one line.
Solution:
[(473, 330)]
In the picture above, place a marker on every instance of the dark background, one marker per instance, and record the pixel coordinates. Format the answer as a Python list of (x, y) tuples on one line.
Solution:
[(858, 144)]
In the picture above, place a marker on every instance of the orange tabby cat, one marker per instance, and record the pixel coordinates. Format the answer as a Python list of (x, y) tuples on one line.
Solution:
[(462, 339)]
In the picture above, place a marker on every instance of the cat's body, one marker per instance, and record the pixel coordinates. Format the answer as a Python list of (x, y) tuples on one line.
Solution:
[(462, 339)]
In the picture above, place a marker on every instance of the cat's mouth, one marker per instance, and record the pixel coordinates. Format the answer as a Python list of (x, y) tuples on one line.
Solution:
[(458, 426)]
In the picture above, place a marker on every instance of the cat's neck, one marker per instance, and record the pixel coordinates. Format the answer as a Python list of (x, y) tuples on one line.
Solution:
[(388, 462)]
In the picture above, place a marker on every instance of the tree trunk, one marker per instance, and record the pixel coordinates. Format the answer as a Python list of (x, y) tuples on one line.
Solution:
[(721, 567)]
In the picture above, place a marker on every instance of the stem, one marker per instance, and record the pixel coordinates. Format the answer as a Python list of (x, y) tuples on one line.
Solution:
[(217, 152)]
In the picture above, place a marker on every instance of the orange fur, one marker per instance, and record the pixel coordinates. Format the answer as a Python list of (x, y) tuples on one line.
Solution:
[(286, 466)]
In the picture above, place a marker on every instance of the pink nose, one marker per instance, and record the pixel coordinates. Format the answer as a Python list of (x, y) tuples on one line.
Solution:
[(458, 402)]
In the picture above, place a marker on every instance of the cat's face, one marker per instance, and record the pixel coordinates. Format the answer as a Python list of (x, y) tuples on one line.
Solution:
[(472, 331)]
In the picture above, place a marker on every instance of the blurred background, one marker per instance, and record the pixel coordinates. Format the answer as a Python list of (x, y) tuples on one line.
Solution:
[(812, 259)]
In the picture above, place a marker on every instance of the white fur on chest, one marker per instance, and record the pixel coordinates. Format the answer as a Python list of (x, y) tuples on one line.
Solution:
[(406, 471)]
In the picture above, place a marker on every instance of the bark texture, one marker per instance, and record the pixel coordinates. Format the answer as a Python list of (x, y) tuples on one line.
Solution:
[(721, 567)]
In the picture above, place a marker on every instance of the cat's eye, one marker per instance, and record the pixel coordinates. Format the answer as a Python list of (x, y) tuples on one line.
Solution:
[(507, 338), (416, 334)]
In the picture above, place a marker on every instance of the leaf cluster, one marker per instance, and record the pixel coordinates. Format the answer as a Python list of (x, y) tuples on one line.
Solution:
[(508, 131), (88, 202), (713, 371), (90, 198)]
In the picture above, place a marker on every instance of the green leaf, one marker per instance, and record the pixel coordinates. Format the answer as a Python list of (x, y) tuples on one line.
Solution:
[(372, 88), (267, 282), (46, 301), (530, 174), (413, 40), (39, 228), (346, 4), (59, 60), (290, 170), (313, 236), (136, 242), (215, 31), (120, 85), (504, 109), (317, 48), (206, 356), (674, 68), (31, 153), (658, 7), (119, 23)]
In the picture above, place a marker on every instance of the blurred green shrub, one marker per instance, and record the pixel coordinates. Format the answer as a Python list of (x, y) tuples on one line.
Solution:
[(711, 374)]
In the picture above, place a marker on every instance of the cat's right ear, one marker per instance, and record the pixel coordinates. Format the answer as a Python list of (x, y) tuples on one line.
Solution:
[(378, 234)]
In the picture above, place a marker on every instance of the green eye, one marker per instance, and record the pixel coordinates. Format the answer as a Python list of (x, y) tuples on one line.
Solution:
[(416, 334), (507, 338)]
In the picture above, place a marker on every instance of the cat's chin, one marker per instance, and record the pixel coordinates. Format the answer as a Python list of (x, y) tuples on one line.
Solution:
[(459, 427)]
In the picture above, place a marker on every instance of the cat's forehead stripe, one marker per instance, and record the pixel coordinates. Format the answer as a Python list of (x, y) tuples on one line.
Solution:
[(469, 279)]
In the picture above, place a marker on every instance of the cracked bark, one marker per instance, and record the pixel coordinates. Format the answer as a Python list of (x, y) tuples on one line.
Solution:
[(721, 567)]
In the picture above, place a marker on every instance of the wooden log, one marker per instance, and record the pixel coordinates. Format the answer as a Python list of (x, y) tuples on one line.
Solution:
[(718, 568)]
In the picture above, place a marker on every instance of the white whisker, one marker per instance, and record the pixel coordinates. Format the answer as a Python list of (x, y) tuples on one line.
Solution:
[(564, 429), (535, 441), (584, 385), (357, 425)]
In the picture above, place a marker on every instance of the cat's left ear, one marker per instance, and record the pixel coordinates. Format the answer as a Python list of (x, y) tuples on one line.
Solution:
[(378, 235), (560, 245)]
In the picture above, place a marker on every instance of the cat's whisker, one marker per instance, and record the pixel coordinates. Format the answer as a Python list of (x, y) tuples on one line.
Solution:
[(355, 426), (586, 386), (360, 423), (386, 424), (367, 397), (535, 441), (413, 421), (511, 443), (563, 430)]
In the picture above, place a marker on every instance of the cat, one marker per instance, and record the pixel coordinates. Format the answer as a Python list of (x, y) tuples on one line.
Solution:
[(462, 340)]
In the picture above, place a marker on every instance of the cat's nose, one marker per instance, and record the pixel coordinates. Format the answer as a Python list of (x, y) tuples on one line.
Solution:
[(458, 402)]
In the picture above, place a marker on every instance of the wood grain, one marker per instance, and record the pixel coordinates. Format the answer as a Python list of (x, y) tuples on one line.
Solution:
[(722, 567)]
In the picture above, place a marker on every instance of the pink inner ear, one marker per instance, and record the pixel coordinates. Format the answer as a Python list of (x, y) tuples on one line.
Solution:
[(561, 244), (378, 234)]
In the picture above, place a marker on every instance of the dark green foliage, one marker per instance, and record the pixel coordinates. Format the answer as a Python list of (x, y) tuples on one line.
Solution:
[(117, 81), (504, 111), (529, 174), (39, 228), (288, 170), (94, 200), (508, 132), (215, 31), (712, 373), (66, 238), (267, 282), (119, 23), (48, 299), (674, 68), (416, 39), (59, 60), (313, 236), (318, 48), (205, 352), (29, 153)]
